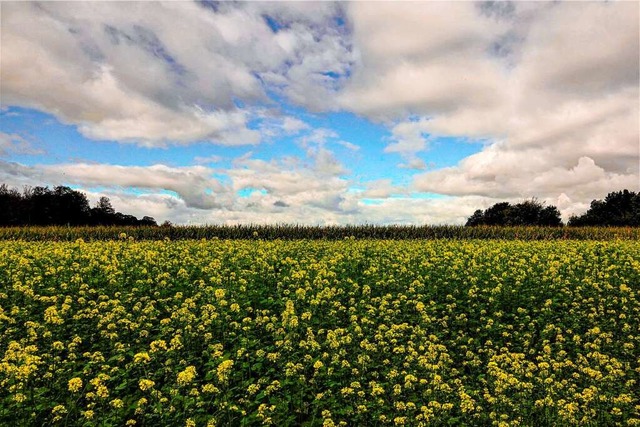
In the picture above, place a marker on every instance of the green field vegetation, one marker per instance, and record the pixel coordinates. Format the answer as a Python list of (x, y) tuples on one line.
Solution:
[(296, 232), (351, 332)]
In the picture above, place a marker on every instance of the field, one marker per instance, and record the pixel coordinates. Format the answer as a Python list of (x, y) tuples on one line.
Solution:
[(346, 332)]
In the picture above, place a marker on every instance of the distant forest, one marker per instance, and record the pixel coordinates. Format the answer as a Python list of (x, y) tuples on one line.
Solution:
[(62, 205), (59, 206)]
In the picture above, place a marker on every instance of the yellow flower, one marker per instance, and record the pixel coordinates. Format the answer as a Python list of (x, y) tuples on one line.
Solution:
[(117, 403), (75, 384), (146, 384), (224, 369), (158, 345), (51, 316), (219, 293), (209, 388), (102, 391), (141, 357), (57, 412), (187, 376)]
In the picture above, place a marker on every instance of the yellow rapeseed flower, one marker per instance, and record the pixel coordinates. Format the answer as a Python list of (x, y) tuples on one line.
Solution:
[(75, 384), (187, 376), (146, 384)]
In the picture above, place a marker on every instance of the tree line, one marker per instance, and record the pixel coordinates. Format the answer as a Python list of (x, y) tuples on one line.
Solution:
[(618, 209), (59, 206)]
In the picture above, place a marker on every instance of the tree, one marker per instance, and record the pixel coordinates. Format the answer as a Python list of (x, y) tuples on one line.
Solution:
[(148, 220), (497, 214), (619, 208), (11, 206), (476, 219), (528, 212), (69, 207), (60, 206), (104, 205), (550, 217), (103, 213)]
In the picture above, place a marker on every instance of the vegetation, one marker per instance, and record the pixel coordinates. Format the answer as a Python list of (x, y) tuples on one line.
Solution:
[(618, 209), (527, 213), (295, 232), (317, 333), (60, 206)]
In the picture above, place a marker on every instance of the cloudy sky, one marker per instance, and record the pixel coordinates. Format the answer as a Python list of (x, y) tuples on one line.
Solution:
[(321, 113)]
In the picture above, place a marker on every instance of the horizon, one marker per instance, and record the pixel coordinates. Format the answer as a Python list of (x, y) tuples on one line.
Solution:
[(321, 113)]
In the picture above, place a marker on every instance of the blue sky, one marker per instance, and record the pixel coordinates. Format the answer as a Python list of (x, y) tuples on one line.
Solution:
[(321, 112)]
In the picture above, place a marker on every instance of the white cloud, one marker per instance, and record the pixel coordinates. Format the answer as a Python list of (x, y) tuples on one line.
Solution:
[(11, 143), (158, 73), (421, 58), (552, 87), (348, 145), (292, 181), (317, 137), (195, 184), (292, 125), (380, 189), (409, 137)]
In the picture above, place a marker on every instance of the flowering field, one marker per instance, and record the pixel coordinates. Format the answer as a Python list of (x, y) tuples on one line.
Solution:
[(320, 333)]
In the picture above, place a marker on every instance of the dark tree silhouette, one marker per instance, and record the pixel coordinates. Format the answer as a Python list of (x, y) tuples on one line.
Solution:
[(11, 205), (476, 219), (104, 206), (619, 209), (529, 212), (497, 214), (60, 206)]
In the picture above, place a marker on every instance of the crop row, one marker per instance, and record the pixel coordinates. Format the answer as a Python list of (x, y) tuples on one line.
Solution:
[(296, 232)]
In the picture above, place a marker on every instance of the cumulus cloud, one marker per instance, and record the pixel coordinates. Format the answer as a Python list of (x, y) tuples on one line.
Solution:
[(407, 139), (381, 189), (294, 181), (194, 185), (555, 95), (158, 73), (425, 57)]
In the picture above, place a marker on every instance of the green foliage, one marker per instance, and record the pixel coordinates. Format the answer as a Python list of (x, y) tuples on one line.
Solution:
[(41, 206), (618, 209), (527, 213)]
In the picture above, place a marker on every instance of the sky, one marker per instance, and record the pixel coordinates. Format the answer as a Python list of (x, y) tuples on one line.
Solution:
[(318, 112)]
